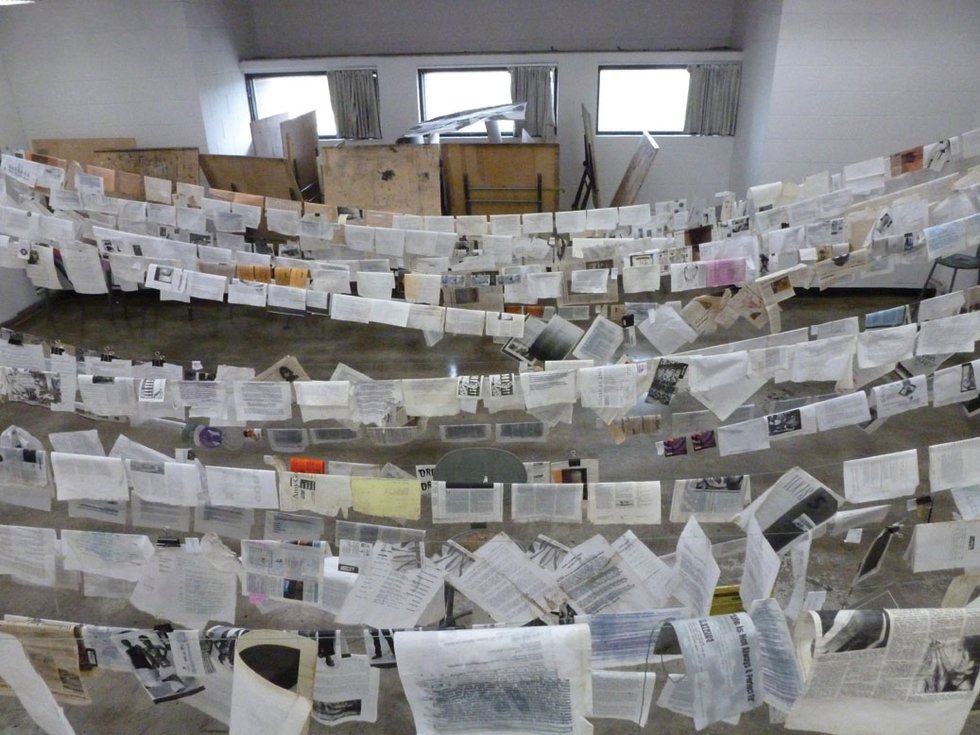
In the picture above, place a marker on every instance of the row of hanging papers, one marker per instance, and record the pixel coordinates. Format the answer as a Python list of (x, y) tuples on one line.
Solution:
[(596, 608), (721, 378), (803, 242), (917, 668)]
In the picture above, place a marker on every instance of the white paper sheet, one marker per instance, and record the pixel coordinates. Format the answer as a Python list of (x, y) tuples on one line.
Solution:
[(883, 477)]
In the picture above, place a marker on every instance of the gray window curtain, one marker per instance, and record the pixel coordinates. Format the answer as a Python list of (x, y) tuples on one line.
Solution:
[(712, 99), (532, 84), (354, 99)]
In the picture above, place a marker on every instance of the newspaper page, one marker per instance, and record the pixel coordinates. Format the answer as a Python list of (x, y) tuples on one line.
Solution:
[(53, 651), (796, 503), (497, 680), (903, 672), (18, 673), (721, 657), (710, 499), (624, 502), (346, 690), (467, 504)]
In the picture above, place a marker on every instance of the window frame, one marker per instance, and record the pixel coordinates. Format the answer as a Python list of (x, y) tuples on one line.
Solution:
[(250, 92), (423, 70), (598, 86)]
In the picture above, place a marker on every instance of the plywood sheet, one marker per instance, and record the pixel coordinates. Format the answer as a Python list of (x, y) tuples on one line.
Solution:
[(176, 164), (267, 137), (271, 177), (79, 149), (509, 168), (392, 178), (300, 145), (636, 172)]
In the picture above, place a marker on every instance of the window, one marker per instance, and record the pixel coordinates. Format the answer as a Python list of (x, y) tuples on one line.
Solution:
[(293, 94), (445, 91), (635, 99)]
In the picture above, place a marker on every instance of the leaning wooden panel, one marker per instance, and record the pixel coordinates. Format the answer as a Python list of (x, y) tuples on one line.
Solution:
[(300, 144), (176, 164), (636, 172), (502, 177), (82, 150), (270, 177), (392, 178)]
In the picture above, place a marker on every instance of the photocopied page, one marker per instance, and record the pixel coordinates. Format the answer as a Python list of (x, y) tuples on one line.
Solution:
[(558, 502), (346, 691), (696, 572), (710, 499), (467, 504), (904, 672), (85, 477), (945, 545), (883, 477), (533, 679), (258, 706), (721, 657), (793, 505), (623, 695), (624, 502)]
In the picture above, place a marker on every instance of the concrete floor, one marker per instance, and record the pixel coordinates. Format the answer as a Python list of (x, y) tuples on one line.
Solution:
[(251, 337)]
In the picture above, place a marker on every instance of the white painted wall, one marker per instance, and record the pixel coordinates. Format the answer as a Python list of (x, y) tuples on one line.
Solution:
[(685, 166), (757, 24), (220, 35), (290, 28), (856, 79), (102, 68)]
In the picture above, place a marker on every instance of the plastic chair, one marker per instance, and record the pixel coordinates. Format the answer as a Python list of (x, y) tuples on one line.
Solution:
[(958, 262)]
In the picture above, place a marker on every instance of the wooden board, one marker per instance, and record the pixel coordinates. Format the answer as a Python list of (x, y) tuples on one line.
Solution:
[(636, 172), (267, 136), (79, 149), (176, 164), (505, 165), (270, 177), (300, 145), (392, 178)]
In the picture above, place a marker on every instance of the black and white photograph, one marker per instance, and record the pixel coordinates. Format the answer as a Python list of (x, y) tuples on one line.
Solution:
[(30, 386), (665, 379), (785, 422), (950, 666), (557, 340), (149, 655), (379, 643)]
